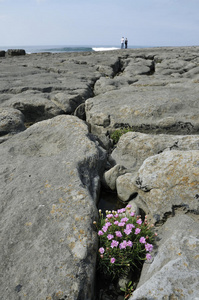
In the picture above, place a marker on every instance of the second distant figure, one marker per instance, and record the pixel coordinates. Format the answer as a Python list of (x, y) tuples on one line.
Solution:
[(126, 43), (122, 42)]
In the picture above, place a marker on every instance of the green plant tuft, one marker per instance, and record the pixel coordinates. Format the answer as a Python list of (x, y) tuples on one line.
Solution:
[(115, 136), (128, 290)]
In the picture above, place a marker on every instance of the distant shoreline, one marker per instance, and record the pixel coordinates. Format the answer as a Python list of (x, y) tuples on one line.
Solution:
[(72, 48), (78, 49)]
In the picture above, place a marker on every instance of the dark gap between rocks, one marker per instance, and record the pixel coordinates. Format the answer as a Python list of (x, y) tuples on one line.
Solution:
[(108, 200)]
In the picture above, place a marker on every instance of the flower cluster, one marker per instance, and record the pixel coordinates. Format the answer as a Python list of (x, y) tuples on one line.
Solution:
[(125, 241)]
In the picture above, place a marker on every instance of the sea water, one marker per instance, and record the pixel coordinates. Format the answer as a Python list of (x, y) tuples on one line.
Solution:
[(64, 48)]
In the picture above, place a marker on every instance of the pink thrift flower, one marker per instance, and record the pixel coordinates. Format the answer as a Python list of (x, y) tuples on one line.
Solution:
[(128, 206), (109, 216), (142, 240), (118, 233), (132, 214), (149, 247), (116, 215), (137, 231), (127, 231), (114, 244), (110, 237), (105, 228), (148, 256), (120, 211), (100, 232), (116, 222), (124, 219), (123, 245), (139, 221), (129, 244), (112, 260), (121, 224), (129, 226), (101, 250), (108, 224)]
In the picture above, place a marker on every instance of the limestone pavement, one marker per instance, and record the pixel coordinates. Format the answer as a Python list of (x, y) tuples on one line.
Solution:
[(57, 113)]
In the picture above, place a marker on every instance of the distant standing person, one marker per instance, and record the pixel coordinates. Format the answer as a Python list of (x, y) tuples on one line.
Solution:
[(122, 42), (126, 43)]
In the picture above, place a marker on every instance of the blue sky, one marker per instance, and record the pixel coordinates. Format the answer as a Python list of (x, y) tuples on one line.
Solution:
[(99, 22)]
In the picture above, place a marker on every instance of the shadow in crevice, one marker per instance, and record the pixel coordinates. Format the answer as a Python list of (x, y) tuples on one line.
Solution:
[(108, 200)]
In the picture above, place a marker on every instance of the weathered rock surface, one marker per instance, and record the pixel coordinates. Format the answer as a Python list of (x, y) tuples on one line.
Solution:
[(174, 271), (139, 66), (108, 84), (34, 106), (125, 186), (50, 173), (167, 109), (154, 101), (11, 121), (169, 180), (110, 176), (44, 85), (15, 52), (49, 184), (134, 147)]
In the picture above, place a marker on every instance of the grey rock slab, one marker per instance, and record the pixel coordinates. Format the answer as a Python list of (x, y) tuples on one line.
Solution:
[(169, 66), (49, 183), (15, 52), (75, 74), (174, 270), (168, 180), (105, 84), (110, 176), (193, 72), (18, 77), (125, 186), (134, 147), (139, 66), (11, 121), (160, 80), (35, 106), (107, 64), (70, 75), (68, 102), (145, 109)]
